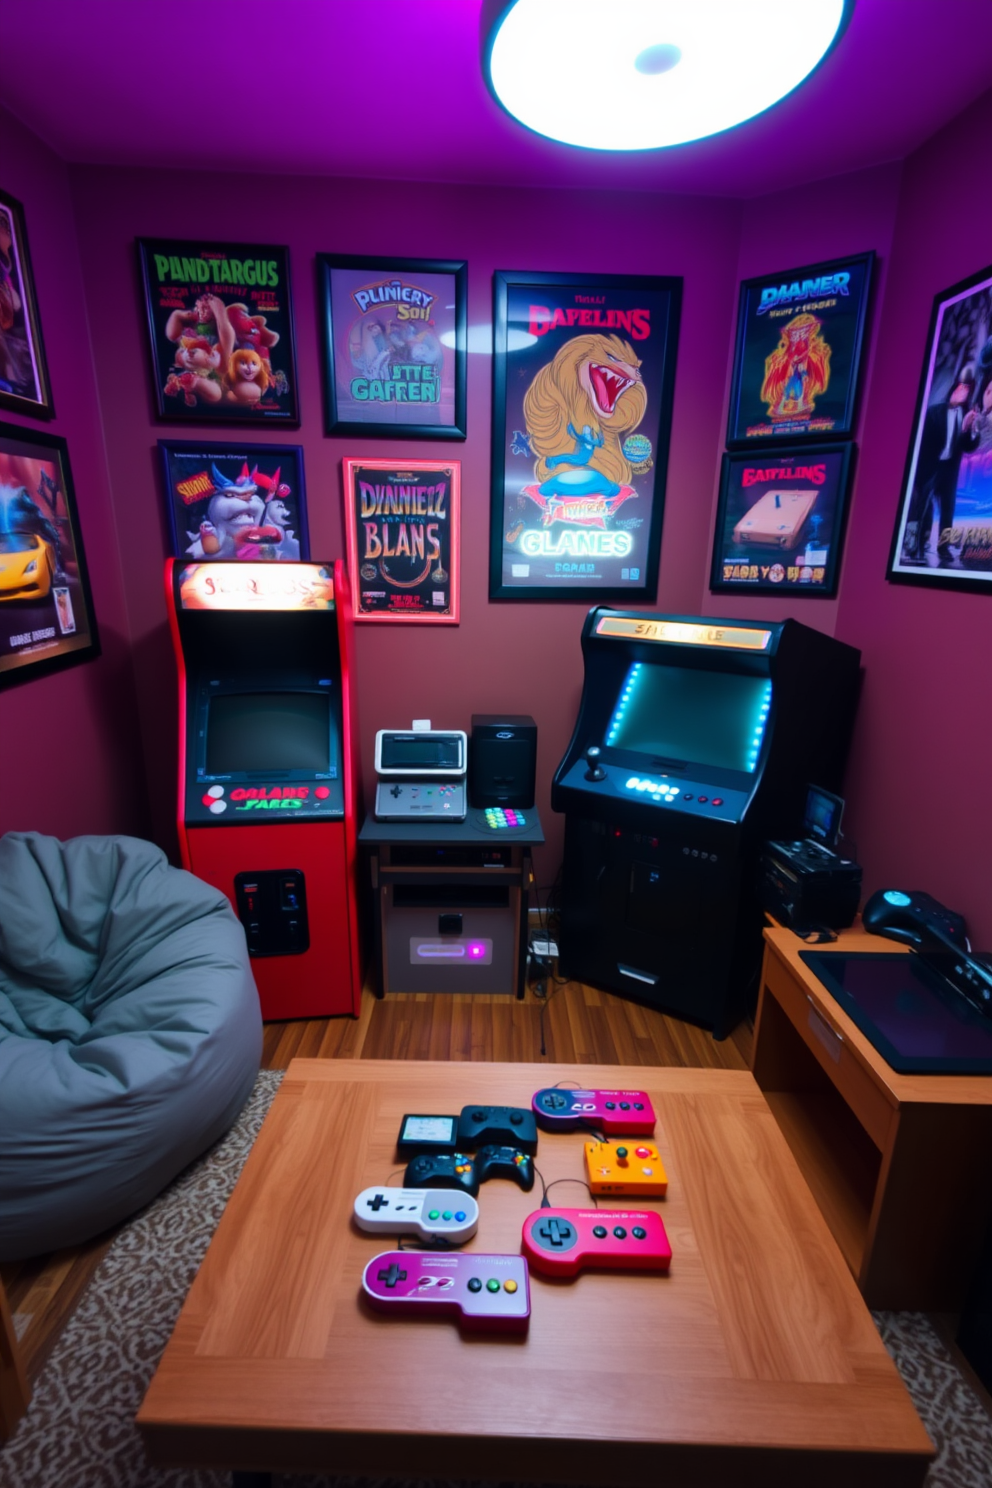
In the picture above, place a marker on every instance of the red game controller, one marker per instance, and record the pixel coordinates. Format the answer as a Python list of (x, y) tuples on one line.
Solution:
[(563, 1242), (621, 1113), (487, 1293)]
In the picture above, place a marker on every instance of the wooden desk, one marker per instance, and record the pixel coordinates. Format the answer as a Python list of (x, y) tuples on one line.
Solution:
[(754, 1363), (901, 1165)]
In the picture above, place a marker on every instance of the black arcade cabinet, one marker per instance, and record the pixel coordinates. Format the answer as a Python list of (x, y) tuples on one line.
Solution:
[(696, 741)]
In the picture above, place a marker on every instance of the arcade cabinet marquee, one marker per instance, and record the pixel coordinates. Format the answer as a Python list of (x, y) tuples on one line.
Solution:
[(267, 768)]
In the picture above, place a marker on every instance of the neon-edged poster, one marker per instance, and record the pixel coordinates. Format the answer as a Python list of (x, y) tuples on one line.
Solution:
[(402, 524), (583, 380), (23, 374), (780, 520), (798, 352), (395, 335), (943, 531), (235, 501), (220, 322), (46, 609), (256, 586)]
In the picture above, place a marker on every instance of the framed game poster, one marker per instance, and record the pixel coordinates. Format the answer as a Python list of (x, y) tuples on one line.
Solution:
[(235, 501), (780, 520), (583, 380), (220, 323), (395, 333), (798, 352), (402, 522), (943, 531), (23, 374), (46, 608)]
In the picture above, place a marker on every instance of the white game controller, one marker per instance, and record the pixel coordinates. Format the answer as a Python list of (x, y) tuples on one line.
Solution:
[(431, 1213)]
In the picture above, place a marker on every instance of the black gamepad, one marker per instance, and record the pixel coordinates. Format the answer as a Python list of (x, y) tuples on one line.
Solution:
[(915, 918), (505, 1162), (509, 1126), (443, 1170)]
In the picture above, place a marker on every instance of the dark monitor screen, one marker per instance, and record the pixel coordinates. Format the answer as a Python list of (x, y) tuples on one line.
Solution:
[(696, 717), (914, 1018), (822, 817), (263, 732)]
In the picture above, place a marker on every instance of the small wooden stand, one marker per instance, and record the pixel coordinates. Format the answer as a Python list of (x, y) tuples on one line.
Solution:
[(900, 1165)]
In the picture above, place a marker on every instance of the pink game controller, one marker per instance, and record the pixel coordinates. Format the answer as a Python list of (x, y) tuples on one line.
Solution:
[(621, 1113), (563, 1242), (487, 1293)]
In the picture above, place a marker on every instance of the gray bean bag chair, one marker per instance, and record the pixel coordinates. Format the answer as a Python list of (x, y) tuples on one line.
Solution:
[(130, 1032)]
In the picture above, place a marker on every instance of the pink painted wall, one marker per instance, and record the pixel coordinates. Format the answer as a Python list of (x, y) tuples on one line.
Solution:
[(70, 757), (521, 657), (919, 804)]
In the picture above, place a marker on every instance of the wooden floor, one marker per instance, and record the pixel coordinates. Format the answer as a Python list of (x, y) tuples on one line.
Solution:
[(570, 1024)]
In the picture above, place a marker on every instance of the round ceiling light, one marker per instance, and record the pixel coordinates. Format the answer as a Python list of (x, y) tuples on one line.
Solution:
[(646, 74)]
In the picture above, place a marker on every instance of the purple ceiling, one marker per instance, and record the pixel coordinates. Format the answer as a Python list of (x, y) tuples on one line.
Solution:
[(392, 89)]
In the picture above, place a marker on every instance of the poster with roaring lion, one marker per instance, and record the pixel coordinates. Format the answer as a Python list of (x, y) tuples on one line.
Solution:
[(799, 337), (584, 374)]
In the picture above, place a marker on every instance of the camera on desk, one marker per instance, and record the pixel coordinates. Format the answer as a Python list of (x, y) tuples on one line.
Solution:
[(806, 884)]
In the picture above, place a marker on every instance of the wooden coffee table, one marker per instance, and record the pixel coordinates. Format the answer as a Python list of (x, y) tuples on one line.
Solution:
[(754, 1362)]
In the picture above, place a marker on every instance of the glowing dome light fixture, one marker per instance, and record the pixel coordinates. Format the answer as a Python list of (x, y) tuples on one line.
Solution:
[(646, 74)]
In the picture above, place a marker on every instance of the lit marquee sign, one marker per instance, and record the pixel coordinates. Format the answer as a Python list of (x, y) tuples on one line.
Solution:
[(256, 586), (681, 633)]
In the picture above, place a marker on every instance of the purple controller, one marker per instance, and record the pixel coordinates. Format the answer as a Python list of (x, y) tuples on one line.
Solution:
[(621, 1113), (487, 1293)]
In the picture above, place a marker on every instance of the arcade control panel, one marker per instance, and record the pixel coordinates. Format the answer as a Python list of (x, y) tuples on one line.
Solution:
[(690, 797)]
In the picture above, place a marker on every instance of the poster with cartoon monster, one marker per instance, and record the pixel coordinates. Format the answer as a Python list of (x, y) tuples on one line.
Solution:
[(798, 351), (243, 502), (220, 323), (584, 375)]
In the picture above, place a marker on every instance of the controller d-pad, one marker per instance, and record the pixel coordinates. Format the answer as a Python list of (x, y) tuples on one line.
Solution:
[(391, 1275), (554, 1102), (379, 1202), (556, 1234)]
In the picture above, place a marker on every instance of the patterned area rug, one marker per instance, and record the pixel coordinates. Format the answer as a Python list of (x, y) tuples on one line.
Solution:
[(79, 1430)]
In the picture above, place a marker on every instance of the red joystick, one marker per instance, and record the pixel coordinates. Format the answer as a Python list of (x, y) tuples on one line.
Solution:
[(563, 1242)]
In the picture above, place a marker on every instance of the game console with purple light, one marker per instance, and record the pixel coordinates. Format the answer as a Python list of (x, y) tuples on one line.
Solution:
[(563, 1242), (486, 1293), (435, 1216), (613, 1112)]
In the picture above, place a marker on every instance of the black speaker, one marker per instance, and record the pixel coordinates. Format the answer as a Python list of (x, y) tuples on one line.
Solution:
[(502, 760)]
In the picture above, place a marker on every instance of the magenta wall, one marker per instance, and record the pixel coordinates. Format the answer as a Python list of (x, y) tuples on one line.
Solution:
[(919, 804), (521, 657), (69, 747)]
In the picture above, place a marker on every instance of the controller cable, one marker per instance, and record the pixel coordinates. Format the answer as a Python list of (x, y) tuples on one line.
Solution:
[(546, 1203)]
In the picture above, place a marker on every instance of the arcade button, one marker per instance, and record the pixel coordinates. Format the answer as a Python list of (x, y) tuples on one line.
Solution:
[(717, 801), (642, 1151), (702, 800)]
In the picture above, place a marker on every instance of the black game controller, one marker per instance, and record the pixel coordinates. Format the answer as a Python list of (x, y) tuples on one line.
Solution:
[(513, 1126), (915, 918), (505, 1162), (444, 1170)]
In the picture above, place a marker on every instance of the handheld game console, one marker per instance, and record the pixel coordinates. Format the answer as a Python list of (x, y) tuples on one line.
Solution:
[(513, 1126), (431, 1214), (436, 1170), (563, 1242), (613, 1112), (633, 1169), (487, 1293)]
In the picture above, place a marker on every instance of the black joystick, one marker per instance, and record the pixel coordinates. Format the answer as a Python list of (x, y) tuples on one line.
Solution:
[(595, 770)]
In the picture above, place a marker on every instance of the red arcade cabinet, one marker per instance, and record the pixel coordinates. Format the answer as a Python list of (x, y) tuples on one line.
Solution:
[(267, 768)]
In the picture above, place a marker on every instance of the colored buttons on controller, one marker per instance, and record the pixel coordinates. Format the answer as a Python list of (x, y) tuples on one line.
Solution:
[(639, 1233), (474, 1284), (600, 1231), (497, 818), (434, 1214), (611, 1105), (492, 1285), (459, 1215), (642, 1151), (620, 1232)]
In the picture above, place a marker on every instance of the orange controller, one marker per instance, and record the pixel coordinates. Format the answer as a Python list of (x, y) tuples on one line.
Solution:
[(633, 1167)]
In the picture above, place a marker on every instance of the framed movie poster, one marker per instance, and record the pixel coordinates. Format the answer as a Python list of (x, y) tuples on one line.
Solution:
[(583, 379), (780, 520), (220, 320), (394, 346), (402, 526), (23, 374), (46, 609), (798, 352), (943, 532), (237, 501)]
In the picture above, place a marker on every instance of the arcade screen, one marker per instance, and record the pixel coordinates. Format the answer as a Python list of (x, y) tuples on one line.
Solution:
[(696, 717), (264, 732)]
